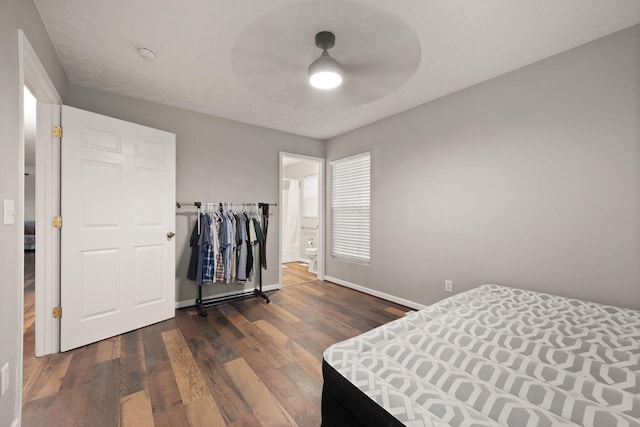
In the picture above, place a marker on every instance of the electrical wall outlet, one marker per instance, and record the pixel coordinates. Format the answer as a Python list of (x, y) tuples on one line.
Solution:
[(448, 286), (4, 378)]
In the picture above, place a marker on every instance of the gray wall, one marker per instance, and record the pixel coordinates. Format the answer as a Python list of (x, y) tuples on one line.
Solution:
[(217, 160), (529, 180), (15, 14)]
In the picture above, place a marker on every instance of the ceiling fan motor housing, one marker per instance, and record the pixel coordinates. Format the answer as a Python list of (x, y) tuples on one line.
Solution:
[(325, 40)]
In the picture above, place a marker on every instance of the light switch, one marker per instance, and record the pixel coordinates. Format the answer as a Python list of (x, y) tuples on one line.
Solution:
[(9, 216), (4, 378)]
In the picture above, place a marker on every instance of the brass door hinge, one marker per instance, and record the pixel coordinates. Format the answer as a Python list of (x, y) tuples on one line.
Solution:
[(57, 131), (56, 222), (57, 312)]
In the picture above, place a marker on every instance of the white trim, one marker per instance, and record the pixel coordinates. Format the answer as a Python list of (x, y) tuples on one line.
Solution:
[(47, 285), (35, 75), (20, 240), (192, 303), (16, 423), (321, 210), (48, 238), (375, 293)]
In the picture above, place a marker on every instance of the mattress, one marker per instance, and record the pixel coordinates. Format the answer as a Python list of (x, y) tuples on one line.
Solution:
[(487, 357)]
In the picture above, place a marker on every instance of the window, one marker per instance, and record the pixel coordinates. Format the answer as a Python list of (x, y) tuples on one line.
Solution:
[(310, 196), (351, 208)]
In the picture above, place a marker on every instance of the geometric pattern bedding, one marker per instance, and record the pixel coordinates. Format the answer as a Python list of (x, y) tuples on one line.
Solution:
[(496, 356)]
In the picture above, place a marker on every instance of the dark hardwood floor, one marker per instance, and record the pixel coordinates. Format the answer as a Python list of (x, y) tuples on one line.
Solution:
[(247, 364)]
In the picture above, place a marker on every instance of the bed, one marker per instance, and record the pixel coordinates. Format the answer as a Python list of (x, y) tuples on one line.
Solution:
[(29, 235), (487, 357)]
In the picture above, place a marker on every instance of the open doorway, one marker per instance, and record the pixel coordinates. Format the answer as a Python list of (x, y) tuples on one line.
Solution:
[(39, 202), (30, 237), (302, 238)]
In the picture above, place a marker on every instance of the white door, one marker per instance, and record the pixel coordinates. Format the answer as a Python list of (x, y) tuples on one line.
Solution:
[(118, 206)]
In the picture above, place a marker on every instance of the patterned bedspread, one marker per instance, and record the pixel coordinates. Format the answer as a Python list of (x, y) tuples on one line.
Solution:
[(501, 356)]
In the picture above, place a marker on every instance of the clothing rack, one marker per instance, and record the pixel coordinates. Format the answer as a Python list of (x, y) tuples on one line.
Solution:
[(203, 303)]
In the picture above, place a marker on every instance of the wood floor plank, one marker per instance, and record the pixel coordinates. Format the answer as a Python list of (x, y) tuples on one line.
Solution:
[(360, 310), (153, 346), (190, 383), (204, 412), (136, 410), (51, 377), (231, 404), (133, 369), (328, 320), (267, 358), (210, 330), (304, 382), (248, 421), (310, 288), (32, 373), (396, 312), (316, 342), (264, 351), (284, 314), (108, 349), (301, 409), (36, 412), (306, 360), (70, 403), (200, 405), (295, 273), (187, 324), (168, 409), (103, 406), (265, 407)]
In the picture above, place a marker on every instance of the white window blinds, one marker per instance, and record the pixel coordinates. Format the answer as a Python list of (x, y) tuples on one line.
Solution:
[(351, 208)]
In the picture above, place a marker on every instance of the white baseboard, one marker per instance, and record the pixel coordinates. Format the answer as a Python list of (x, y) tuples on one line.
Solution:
[(192, 302), (375, 293)]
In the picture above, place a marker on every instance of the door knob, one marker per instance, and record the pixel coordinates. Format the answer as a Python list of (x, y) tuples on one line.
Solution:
[(171, 234)]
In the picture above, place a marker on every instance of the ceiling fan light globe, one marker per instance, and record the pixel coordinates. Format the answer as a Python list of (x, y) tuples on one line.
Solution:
[(325, 80), (325, 72)]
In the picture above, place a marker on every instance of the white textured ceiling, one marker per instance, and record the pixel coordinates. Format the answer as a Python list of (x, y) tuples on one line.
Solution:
[(246, 60)]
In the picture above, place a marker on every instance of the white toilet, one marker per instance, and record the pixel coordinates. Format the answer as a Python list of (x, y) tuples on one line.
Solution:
[(312, 254)]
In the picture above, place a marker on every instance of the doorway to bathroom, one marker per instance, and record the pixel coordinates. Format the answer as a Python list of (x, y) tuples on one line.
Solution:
[(301, 219)]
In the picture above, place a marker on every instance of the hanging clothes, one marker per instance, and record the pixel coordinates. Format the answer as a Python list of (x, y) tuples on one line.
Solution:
[(265, 227), (249, 269), (206, 247), (241, 241), (219, 275), (226, 245), (222, 244), (195, 253)]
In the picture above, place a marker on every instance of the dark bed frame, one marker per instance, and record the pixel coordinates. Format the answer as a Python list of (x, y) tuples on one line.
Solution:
[(344, 405)]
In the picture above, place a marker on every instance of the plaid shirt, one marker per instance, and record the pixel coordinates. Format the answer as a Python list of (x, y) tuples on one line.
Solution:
[(207, 251)]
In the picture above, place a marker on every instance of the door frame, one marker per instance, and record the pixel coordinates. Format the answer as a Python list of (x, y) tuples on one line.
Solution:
[(321, 212), (33, 75)]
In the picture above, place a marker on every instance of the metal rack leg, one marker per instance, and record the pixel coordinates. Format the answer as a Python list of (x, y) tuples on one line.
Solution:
[(201, 307)]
